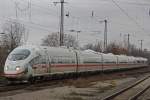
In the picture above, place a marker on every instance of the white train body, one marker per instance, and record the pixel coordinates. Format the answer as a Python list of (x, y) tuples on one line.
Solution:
[(25, 62)]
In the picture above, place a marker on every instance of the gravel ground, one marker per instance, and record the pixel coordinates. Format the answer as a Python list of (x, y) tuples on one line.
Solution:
[(72, 92), (145, 96)]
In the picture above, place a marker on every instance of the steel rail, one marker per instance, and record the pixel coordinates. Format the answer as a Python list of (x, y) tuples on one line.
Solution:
[(139, 93), (110, 97)]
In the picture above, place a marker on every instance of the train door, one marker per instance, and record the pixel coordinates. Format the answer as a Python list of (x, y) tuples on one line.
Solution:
[(40, 64), (77, 61), (101, 62), (48, 63), (117, 62), (35, 64)]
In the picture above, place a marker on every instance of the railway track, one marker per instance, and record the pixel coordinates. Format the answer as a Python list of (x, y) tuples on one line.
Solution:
[(131, 92), (53, 83), (5, 88)]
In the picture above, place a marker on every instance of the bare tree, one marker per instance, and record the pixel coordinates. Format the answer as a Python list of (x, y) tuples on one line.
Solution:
[(53, 40), (113, 48), (3, 56), (96, 47), (13, 34), (88, 46), (117, 48), (12, 37), (70, 41)]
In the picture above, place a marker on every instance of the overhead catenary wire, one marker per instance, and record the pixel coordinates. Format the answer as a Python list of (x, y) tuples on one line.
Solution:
[(28, 23), (33, 25), (131, 18), (22, 9), (142, 6), (44, 9), (136, 3)]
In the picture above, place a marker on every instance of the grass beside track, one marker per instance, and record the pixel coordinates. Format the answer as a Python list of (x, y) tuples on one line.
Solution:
[(1, 70), (2, 78), (1, 73)]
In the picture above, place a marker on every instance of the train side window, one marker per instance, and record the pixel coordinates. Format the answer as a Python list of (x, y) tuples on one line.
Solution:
[(62, 59), (59, 60), (65, 59), (54, 60), (110, 62), (43, 60), (34, 61), (73, 60), (38, 60), (92, 60)]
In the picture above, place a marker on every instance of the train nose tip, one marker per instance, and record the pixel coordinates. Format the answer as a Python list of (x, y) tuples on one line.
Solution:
[(14, 74)]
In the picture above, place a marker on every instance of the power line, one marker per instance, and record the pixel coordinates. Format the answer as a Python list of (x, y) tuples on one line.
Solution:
[(31, 24), (42, 27), (132, 19), (30, 11), (22, 9), (45, 10), (143, 8), (138, 3), (25, 9), (16, 4)]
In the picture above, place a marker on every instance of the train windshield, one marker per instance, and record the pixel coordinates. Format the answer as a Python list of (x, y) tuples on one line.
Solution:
[(19, 54)]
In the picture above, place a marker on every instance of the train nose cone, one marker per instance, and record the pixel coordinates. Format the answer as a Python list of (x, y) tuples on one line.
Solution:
[(14, 72)]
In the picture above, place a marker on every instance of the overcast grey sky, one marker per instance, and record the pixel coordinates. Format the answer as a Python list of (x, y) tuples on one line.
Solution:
[(45, 19)]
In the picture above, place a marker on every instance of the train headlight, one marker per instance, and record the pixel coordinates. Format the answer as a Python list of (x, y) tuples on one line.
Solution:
[(17, 68)]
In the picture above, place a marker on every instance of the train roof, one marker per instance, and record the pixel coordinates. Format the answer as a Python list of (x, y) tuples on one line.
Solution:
[(65, 49)]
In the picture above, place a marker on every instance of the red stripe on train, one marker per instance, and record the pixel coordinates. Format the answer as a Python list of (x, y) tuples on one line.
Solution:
[(79, 65)]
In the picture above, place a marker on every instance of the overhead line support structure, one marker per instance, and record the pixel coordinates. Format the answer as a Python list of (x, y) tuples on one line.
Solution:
[(61, 22), (105, 36), (141, 43), (128, 44)]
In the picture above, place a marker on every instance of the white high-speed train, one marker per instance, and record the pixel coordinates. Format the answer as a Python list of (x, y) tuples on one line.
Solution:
[(27, 62)]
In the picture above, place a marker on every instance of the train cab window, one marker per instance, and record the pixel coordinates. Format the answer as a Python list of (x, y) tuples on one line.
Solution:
[(19, 54)]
